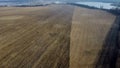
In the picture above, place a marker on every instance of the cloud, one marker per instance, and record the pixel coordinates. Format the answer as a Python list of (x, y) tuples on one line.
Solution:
[(76, 0)]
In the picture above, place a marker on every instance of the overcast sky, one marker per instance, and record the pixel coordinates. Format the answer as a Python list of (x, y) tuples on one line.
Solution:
[(77, 0), (60, 0)]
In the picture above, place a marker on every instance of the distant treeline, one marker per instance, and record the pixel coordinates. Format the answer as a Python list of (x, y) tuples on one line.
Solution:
[(113, 11), (116, 4), (23, 5), (85, 6)]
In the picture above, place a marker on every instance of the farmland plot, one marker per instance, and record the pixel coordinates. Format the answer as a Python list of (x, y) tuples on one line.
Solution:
[(55, 36), (88, 32), (35, 37)]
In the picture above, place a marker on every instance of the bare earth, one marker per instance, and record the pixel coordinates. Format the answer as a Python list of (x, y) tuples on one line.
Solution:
[(54, 36), (88, 32), (36, 37)]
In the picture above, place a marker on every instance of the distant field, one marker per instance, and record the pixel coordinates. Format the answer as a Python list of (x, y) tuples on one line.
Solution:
[(54, 36)]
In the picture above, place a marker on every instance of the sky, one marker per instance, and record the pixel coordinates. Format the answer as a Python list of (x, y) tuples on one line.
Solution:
[(58, 0), (80, 0), (43, 1)]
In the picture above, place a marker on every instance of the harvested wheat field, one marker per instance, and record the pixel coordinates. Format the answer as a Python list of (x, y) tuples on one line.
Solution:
[(56, 36), (88, 33)]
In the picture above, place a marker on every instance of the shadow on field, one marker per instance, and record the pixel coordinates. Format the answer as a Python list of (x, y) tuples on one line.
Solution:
[(109, 54)]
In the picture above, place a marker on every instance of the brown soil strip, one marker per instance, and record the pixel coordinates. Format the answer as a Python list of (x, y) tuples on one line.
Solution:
[(89, 30)]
